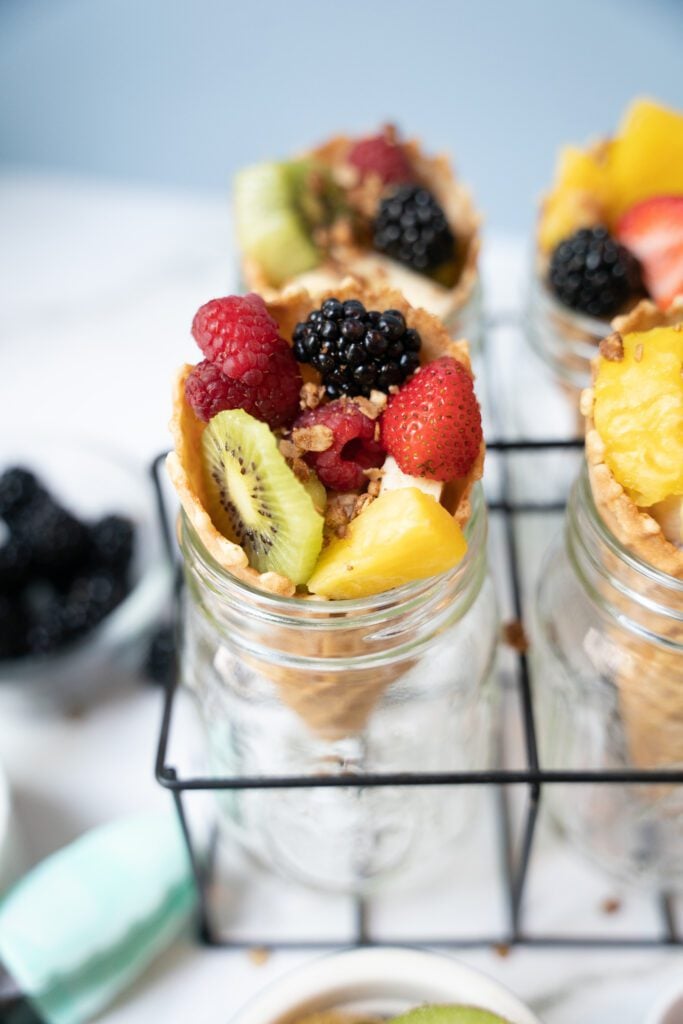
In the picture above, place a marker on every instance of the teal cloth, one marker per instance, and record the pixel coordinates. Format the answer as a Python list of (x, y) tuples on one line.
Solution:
[(86, 922)]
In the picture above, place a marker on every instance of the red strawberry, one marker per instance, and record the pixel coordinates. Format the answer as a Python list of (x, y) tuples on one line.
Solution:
[(382, 155), (432, 426), (653, 231)]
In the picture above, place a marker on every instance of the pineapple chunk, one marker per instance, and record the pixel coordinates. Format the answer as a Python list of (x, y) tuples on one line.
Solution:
[(646, 157), (639, 415), (403, 535), (579, 197)]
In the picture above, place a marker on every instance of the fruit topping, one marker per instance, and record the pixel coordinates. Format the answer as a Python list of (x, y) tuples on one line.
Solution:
[(411, 228), (237, 334), (653, 231), (356, 351), (432, 427), (449, 1015), (254, 498), (393, 478), (592, 273), (275, 400), (348, 444), (59, 577), (638, 413), (579, 198), (382, 155), (646, 157), (403, 535), (270, 226)]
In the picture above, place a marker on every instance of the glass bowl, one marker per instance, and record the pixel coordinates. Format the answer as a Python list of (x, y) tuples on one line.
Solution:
[(92, 481)]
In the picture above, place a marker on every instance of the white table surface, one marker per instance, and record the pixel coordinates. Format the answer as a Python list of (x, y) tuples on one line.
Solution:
[(98, 287)]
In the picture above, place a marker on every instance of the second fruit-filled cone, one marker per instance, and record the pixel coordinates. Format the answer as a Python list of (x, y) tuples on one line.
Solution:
[(634, 451)]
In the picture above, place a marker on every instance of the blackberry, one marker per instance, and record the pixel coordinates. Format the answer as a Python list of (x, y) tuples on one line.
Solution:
[(355, 350), (11, 627), (45, 627), (15, 562), (58, 541), (18, 487), (111, 540), (592, 273), (411, 227), (159, 664), (90, 597)]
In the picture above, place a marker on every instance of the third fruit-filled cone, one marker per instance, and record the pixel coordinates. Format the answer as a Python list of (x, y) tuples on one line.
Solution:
[(634, 450), (325, 452)]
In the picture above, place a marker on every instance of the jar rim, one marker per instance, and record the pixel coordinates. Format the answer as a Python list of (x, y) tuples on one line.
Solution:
[(634, 561), (316, 607)]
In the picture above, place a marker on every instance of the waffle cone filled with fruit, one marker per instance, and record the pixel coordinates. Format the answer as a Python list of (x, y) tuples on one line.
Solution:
[(634, 451), (610, 230), (377, 207), (325, 451)]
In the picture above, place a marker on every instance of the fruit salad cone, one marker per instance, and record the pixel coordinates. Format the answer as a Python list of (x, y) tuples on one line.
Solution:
[(338, 701), (344, 255), (649, 677)]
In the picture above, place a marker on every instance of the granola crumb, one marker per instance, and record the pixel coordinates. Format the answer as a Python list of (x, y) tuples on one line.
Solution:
[(259, 955), (300, 470), (311, 395), (374, 488), (610, 905), (362, 502), (379, 399), (367, 407), (374, 473), (514, 636), (288, 449), (638, 353), (317, 438), (394, 389), (502, 949), (612, 348)]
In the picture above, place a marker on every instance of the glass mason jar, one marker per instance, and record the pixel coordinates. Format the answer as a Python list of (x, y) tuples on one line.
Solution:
[(396, 682), (565, 340), (609, 687)]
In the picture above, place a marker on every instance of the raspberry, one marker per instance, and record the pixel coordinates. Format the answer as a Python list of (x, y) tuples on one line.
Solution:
[(381, 155), (237, 334), (354, 447), (275, 400), (432, 427)]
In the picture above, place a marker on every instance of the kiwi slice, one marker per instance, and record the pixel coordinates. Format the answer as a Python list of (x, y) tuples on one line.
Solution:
[(254, 498), (449, 1015), (270, 226)]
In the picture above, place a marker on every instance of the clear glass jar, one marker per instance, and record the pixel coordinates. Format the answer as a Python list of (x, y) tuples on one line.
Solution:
[(396, 682), (609, 688), (565, 340), (467, 320)]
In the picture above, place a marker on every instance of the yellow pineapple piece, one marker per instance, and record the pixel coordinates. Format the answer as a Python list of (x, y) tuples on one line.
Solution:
[(646, 157), (403, 535), (579, 197), (638, 413)]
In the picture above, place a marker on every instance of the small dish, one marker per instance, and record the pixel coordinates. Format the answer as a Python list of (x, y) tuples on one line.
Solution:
[(668, 1009), (383, 982), (91, 481)]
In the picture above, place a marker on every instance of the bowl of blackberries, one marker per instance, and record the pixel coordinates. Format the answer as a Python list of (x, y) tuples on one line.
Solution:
[(83, 577)]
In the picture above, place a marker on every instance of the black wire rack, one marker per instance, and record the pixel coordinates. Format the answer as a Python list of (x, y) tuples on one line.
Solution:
[(515, 852)]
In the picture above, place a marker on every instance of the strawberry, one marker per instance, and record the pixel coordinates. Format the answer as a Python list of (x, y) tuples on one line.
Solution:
[(381, 155), (432, 427), (653, 231)]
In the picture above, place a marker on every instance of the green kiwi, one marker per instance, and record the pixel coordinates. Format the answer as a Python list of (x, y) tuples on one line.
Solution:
[(270, 226), (254, 498), (449, 1015), (316, 491)]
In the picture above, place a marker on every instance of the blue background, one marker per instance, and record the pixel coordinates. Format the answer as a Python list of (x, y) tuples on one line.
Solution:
[(183, 92)]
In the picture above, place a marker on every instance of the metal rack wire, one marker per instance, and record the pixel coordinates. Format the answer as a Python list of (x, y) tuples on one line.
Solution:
[(516, 858)]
